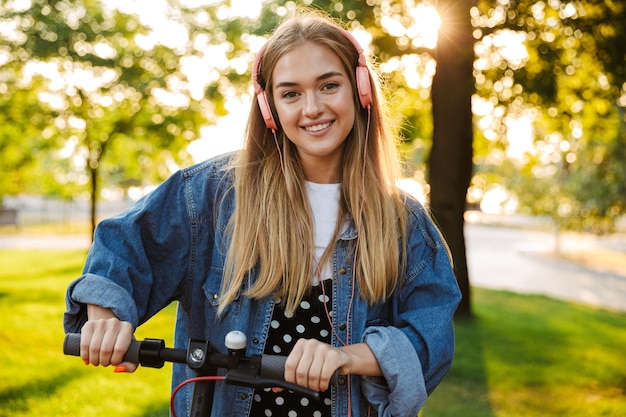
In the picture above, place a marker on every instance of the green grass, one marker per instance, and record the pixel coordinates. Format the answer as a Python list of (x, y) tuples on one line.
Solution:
[(36, 379), (520, 356), (523, 356)]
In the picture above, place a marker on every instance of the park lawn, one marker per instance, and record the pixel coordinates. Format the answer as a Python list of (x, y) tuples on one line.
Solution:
[(36, 379), (527, 356), (519, 356)]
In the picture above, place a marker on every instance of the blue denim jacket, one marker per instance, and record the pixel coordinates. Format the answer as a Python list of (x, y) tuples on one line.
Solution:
[(170, 246)]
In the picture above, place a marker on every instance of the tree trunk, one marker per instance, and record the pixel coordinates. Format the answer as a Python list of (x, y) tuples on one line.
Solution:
[(94, 198), (450, 163)]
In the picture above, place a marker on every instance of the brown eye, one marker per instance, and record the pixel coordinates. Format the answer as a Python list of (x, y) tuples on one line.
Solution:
[(330, 86), (289, 94)]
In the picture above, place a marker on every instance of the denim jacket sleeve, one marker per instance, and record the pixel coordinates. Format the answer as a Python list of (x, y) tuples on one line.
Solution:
[(138, 260), (416, 349)]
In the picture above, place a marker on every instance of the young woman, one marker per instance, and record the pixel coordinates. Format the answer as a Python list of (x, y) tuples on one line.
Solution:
[(301, 240)]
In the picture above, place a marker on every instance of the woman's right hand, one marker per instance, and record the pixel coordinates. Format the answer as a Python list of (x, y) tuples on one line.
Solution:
[(105, 339)]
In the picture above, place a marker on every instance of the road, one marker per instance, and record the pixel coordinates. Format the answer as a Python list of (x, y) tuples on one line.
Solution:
[(523, 261)]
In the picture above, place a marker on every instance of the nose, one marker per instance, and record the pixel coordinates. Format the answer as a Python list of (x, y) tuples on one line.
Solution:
[(313, 105)]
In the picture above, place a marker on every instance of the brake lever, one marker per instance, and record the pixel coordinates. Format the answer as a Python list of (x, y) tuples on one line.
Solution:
[(247, 377)]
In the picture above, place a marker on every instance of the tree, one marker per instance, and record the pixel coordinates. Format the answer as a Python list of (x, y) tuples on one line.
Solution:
[(568, 81), (450, 162), (22, 119), (101, 78)]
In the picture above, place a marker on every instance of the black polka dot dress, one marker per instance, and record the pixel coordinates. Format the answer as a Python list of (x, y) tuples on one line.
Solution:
[(309, 321)]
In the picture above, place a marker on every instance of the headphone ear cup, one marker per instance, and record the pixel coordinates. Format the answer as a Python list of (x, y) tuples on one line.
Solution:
[(266, 111), (364, 86)]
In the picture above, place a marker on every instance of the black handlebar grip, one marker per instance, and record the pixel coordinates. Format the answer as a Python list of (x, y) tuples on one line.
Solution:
[(273, 367), (71, 346)]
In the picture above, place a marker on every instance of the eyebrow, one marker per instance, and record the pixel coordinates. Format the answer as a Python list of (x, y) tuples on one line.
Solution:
[(324, 76)]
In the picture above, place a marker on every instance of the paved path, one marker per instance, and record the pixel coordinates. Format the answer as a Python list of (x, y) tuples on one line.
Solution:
[(523, 261), (498, 257), (28, 241)]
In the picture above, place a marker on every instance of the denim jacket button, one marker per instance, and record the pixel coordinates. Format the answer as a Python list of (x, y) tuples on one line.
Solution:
[(341, 380), (342, 326), (216, 296), (342, 270), (255, 341)]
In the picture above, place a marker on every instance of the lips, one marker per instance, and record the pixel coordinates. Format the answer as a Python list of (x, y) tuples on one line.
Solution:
[(317, 127)]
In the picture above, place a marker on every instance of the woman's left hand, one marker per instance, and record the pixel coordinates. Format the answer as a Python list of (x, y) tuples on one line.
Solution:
[(312, 363)]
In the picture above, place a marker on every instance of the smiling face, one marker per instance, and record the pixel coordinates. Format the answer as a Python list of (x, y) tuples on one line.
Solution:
[(314, 102)]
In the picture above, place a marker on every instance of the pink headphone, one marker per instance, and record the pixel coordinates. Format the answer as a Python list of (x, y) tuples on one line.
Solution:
[(362, 82)]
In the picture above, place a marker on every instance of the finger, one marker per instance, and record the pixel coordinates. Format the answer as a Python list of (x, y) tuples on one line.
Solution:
[(106, 348), (302, 371), (326, 374), (85, 342), (292, 363), (327, 361), (117, 338), (95, 347), (126, 367), (315, 372), (122, 342), (298, 362)]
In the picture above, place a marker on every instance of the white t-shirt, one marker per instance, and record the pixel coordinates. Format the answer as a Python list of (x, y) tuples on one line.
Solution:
[(324, 201)]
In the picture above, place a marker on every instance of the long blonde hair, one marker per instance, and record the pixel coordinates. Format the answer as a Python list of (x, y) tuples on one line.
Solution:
[(272, 224)]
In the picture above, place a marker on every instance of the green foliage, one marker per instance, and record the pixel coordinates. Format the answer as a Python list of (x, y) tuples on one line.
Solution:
[(569, 85), (101, 84), (101, 88), (64, 137), (92, 75), (22, 119)]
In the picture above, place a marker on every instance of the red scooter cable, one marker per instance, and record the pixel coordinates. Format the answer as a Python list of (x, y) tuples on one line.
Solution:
[(190, 381)]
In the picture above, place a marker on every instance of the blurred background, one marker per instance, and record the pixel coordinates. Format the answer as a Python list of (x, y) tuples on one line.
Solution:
[(511, 117)]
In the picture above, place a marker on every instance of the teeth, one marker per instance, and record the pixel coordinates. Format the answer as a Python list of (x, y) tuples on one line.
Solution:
[(316, 128)]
